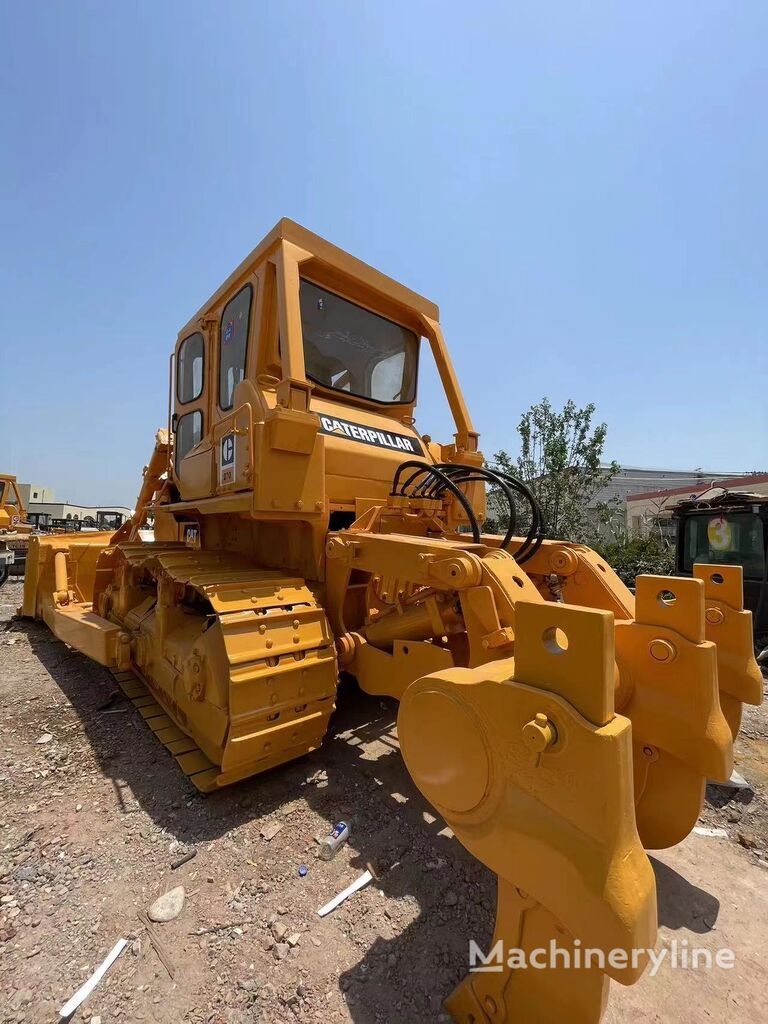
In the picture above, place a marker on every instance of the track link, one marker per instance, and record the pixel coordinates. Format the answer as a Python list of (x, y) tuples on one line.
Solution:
[(236, 691), (189, 757)]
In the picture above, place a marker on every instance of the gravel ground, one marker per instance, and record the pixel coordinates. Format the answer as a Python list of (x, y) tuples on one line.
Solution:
[(93, 812)]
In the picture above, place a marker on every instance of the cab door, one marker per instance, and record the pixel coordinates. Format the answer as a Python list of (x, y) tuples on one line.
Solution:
[(192, 451), (231, 435)]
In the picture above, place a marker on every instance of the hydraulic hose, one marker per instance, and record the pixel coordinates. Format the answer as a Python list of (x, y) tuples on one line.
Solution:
[(432, 481), (446, 484), (535, 535)]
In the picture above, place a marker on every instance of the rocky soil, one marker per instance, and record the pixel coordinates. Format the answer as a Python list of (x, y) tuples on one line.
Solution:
[(94, 813)]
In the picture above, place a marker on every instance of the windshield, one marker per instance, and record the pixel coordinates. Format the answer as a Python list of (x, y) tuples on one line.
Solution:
[(725, 538), (351, 349)]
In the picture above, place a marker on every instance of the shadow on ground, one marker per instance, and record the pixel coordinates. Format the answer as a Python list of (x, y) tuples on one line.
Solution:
[(681, 904), (403, 978)]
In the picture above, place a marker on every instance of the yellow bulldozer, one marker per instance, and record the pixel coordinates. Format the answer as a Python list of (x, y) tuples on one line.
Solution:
[(303, 526), (15, 529)]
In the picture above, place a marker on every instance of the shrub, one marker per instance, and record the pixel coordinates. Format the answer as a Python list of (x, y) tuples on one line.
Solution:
[(637, 556)]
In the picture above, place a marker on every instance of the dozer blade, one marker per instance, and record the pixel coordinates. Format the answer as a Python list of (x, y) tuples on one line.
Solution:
[(527, 761)]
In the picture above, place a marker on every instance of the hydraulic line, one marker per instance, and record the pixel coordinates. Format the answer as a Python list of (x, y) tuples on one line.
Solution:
[(481, 476), (508, 483), (446, 484), (430, 481)]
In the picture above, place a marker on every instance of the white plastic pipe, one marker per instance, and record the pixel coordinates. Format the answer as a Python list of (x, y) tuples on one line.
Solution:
[(359, 883), (85, 990)]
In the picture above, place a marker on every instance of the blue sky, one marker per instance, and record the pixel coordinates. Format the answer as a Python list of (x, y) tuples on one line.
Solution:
[(580, 186)]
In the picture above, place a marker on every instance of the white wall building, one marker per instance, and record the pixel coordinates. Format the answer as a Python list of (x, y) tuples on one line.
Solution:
[(43, 500)]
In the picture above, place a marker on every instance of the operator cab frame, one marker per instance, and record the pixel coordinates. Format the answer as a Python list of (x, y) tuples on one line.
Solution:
[(276, 334), (9, 492), (12, 511)]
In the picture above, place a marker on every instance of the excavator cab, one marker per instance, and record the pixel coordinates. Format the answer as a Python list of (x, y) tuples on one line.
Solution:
[(303, 526)]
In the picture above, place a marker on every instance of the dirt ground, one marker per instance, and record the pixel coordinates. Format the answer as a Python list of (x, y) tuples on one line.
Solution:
[(93, 812)]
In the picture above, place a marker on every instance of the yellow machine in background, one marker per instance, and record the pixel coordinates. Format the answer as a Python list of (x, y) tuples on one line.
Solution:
[(303, 525), (14, 529)]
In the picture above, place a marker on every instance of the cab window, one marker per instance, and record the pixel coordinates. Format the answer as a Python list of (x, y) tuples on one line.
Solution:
[(233, 345), (349, 348), (189, 431), (189, 369)]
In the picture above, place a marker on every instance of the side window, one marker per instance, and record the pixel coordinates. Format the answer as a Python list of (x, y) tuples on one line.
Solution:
[(233, 345), (189, 369), (189, 430)]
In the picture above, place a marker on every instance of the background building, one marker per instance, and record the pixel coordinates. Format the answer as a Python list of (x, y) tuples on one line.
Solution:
[(652, 510), (632, 480), (43, 499), (34, 492)]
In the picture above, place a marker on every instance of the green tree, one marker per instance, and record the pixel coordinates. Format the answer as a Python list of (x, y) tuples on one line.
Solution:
[(560, 460), (631, 557)]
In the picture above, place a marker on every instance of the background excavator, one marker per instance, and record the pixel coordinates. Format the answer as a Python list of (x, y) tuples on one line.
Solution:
[(303, 527)]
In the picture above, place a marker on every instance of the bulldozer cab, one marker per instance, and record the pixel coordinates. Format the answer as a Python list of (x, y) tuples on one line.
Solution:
[(109, 520), (41, 521), (304, 365), (13, 514)]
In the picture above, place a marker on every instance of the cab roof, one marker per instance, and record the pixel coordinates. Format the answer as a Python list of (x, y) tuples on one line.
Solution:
[(327, 253)]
